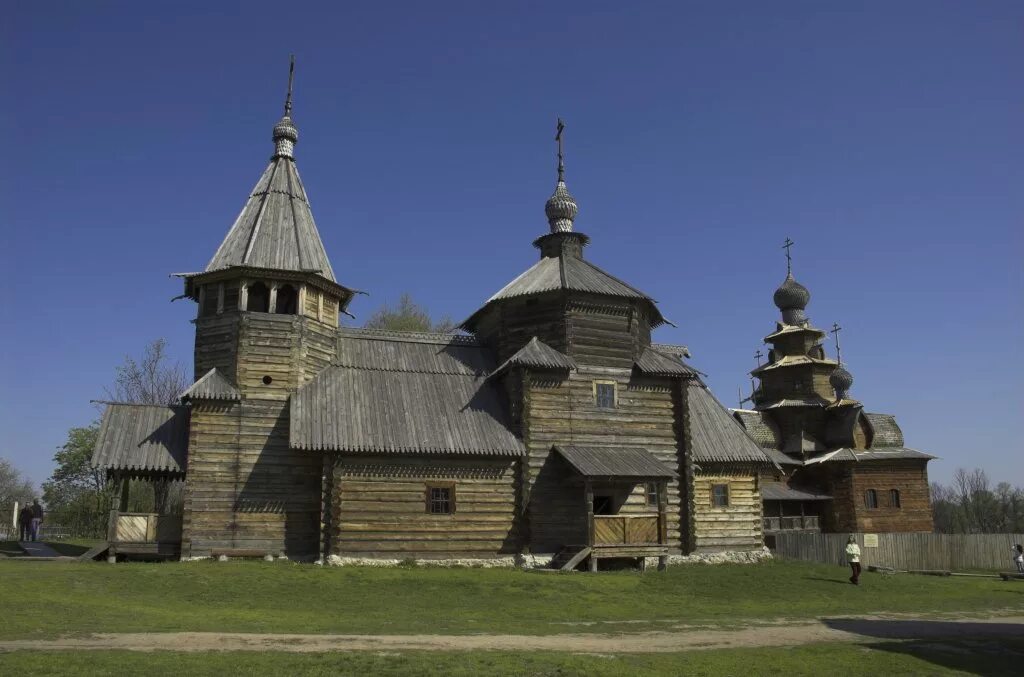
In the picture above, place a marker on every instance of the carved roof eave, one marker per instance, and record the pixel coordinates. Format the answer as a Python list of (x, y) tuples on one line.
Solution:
[(798, 361), (654, 313), (790, 329), (314, 278)]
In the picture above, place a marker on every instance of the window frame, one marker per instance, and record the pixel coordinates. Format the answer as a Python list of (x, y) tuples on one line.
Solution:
[(895, 501), (871, 499), (428, 499), (651, 489), (615, 393), (728, 492)]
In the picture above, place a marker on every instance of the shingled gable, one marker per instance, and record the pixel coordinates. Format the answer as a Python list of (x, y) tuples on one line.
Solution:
[(212, 386), (656, 363), (395, 393), (142, 438), (537, 355)]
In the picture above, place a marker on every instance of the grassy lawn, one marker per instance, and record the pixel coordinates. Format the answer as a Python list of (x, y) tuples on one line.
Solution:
[(49, 599), (897, 658)]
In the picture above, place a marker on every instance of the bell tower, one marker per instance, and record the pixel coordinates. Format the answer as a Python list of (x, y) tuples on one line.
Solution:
[(268, 306)]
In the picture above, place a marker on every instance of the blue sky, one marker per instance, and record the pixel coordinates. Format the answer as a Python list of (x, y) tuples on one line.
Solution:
[(884, 138)]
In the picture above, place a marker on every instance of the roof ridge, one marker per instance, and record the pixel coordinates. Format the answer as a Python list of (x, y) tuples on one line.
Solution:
[(408, 336)]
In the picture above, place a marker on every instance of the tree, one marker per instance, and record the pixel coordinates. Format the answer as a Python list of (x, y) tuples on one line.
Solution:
[(77, 495), (408, 316), (14, 487), (970, 505), (153, 380)]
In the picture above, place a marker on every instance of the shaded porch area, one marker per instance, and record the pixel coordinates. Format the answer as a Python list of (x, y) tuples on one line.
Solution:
[(789, 509), (617, 528)]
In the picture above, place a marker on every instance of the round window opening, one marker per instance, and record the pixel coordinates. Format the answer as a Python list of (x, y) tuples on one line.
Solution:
[(267, 380)]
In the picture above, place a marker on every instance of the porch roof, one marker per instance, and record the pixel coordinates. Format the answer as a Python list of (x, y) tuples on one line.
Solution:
[(627, 462), (776, 491)]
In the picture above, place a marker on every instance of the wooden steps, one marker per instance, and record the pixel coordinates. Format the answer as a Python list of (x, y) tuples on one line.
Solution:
[(95, 552), (569, 557)]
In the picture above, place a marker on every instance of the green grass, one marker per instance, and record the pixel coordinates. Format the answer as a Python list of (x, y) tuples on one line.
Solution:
[(897, 658), (54, 598)]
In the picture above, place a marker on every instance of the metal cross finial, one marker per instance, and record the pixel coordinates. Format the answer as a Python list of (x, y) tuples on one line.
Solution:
[(558, 138), (757, 356), (789, 258), (291, 78), (835, 330)]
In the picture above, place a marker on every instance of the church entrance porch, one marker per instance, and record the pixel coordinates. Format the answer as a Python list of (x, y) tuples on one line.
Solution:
[(623, 494)]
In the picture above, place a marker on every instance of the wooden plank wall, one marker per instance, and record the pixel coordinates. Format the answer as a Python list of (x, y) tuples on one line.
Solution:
[(946, 552), (563, 412), (736, 527), (378, 507), (909, 477)]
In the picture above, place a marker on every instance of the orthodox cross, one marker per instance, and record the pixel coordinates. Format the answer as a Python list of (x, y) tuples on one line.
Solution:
[(789, 258), (558, 138), (757, 356), (835, 330), (291, 78)]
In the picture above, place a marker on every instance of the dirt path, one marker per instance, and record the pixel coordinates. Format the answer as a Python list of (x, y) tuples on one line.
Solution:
[(826, 630)]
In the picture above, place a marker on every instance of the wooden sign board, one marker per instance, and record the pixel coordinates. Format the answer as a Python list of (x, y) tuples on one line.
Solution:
[(870, 540)]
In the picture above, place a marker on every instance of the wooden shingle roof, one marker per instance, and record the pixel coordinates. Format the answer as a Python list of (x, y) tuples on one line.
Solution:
[(626, 462), (656, 363), (404, 394), (212, 386), (884, 430), (142, 437), (537, 355), (715, 436)]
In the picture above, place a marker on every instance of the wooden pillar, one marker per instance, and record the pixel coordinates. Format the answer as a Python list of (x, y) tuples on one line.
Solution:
[(220, 298), (202, 300), (123, 502), (243, 295), (588, 495), (272, 306), (320, 306)]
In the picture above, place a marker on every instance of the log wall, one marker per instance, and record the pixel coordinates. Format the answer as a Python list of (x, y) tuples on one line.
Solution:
[(738, 526), (379, 509)]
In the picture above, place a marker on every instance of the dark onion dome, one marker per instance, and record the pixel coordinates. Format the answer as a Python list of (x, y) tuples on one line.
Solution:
[(561, 209), (841, 380), (791, 295)]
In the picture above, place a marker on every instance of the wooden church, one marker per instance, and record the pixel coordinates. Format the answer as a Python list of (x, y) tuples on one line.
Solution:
[(552, 427)]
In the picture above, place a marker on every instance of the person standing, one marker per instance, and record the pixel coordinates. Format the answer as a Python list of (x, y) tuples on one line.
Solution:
[(24, 523), (853, 557), (1018, 557), (37, 518)]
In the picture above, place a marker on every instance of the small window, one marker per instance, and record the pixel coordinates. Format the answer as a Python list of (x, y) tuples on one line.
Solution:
[(720, 495), (259, 298), (604, 394), (894, 498), (652, 493), (287, 300), (871, 498), (440, 499)]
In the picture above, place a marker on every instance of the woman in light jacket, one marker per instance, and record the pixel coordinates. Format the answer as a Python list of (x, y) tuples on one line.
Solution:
[(853, 557)]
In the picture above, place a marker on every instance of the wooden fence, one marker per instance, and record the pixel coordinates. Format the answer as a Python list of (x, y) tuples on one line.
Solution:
[(946, 552)]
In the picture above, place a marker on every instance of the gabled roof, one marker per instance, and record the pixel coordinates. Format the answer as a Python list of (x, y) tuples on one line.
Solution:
[(275, 228), (404, 394), (858, 455), (625, 462), (212, 386), (715, 436), (142, 437), (777, 491), (656, 363), (792, 361), (537, 355), (553, 273)]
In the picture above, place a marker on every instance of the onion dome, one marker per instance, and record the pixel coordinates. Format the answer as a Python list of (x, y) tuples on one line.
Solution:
[(561, 209), (285, 137), (841, 381), (792, 298)]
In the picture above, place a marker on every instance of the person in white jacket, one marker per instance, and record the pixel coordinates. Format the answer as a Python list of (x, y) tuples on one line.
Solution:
[(853, 557), (1018, 557)]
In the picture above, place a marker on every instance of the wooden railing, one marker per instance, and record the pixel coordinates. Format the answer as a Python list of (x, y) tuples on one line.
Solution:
[(795, 523), (626, 529), (144, 527)]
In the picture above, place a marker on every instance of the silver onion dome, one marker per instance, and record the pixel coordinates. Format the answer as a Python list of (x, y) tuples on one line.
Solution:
[(841, 381), (561, 209), (792, 298)]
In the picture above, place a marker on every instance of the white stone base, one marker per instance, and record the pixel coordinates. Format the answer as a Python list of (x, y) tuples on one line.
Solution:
[(727, 557)]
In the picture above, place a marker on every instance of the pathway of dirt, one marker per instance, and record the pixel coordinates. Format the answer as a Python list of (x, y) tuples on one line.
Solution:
[(825, 630)]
